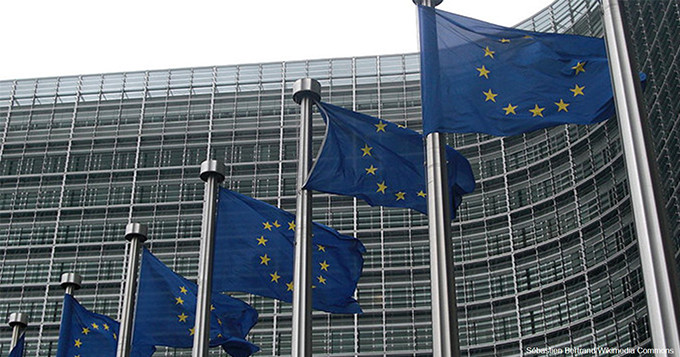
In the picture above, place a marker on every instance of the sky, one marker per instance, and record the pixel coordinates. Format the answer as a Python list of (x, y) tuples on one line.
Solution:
[(58, 38)]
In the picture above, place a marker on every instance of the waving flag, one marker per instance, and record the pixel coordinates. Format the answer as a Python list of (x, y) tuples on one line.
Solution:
[(483, 78), (380, 162), (166, 312), (254, 253)]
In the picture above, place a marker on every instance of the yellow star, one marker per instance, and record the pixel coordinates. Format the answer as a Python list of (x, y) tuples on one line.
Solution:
[(95, 326), (381, 187), (115, 337), (371, 170), (179, 301), (490, 96), (577, 90), (367, 150), (504, 40), (400, 195), (212, 307), (289, 286), (183, 290), (85, 330), (219, 334), (267, 225), (422, 194), (276, 224), (321, 248), (562, 106), (275, 277), (183, 317), (106, 327), (483, 72), (78, 343), (321, 279), (538, 111), (488, 52), (579, 67), (510, 109), (291, 225), (191, 331), (527, 36), (265, 260), (381, 126), (219, 322), (262, 241), (324, 265)]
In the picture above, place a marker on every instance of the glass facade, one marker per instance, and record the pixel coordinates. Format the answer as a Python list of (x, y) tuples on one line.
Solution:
[(545, 247)]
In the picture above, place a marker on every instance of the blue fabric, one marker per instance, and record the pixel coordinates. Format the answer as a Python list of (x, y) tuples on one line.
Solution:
[(166, 311), (18, 350), (88, 334), (379, 162), (254, 253), (483, 78)]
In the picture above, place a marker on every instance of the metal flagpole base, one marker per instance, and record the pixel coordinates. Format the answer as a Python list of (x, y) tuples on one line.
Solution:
[(305, 92), (71, 282)]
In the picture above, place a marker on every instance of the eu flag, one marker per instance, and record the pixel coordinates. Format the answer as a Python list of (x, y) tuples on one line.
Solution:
[(18, 350), (482, 78), (380, 162), (166, 312), (254, 253), (88, 334)]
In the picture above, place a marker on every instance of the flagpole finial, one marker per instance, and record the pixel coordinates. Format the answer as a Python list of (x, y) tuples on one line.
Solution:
[(136, 230), (212, 167), (17, 319), (305, 87), (428, 3), (71, 282)]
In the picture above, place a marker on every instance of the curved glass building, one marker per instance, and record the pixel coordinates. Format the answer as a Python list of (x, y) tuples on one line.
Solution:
[(545, 248)]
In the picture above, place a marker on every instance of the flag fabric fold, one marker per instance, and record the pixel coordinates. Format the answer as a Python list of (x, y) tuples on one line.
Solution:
[(18, 349), (166, 311), (380, 162), (254, 253), (478, 77), (87, 334)]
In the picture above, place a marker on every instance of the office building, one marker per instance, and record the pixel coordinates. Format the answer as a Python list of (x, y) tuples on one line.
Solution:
[(545, 248)]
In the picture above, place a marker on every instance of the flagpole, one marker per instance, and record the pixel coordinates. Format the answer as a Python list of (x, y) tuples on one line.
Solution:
[(69, 282), (444, 319), (212, 173), (305, 92), (135, 233), (18, 322), (654, 242)]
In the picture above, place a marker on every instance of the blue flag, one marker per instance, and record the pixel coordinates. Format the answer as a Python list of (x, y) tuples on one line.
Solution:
[(87, 334), (254, 253), (482, 78), (166, 311), (18, 350), (380, 162)]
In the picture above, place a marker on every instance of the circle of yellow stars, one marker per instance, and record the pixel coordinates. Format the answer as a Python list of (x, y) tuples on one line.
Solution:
[(536, 111), (371, 170), (324, 265)]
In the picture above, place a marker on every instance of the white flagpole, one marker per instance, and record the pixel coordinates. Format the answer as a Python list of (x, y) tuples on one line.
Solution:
[(655, 246), (305, 92)]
